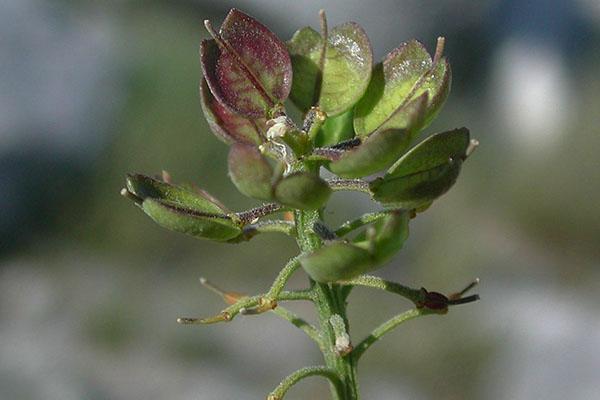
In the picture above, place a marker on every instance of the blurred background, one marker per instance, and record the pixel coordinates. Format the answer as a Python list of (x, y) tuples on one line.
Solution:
[(90, 288)]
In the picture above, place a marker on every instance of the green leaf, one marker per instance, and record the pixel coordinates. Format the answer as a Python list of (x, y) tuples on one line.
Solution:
[(250, 171), (337, 261), (424, 173), (406, 73), (346, 70), (201, 225), (335, 130), (302, 190), (246, 66), (145, 187), (229, 126)]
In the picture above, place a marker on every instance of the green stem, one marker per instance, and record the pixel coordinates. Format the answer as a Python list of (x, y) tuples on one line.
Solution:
[(300, 323), (384, 328), (306, 372), (328, 301)]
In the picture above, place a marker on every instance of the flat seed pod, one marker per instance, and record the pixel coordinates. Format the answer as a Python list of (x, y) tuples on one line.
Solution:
[(424, 173), (391, 233), (382, 148), (250, 171), (374, 154), (346, 70), (246, 66), (194, 223), (144, 187), (406, 73), (228, 126), (302, 190), (337, 261)]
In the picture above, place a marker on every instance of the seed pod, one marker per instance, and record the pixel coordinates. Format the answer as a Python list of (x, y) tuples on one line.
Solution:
[(426, 172), (228, 126), (337, 261), (406, 73), (177, 208), (247, 68), (302, 190), (340, 260), (250, 171), (346, 69), (383, 147), (191, 222)]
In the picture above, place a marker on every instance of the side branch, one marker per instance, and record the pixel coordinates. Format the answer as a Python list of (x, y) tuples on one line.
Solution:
[(384, 328), (414, 295), (306, 372), (243, 305)]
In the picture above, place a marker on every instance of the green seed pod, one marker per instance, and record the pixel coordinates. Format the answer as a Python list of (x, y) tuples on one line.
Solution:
[(337, 261), (302, 190), (177, 208), (250, 171), (142, 187), (390, 234), (424, 173), (218, 227), (383, 147)]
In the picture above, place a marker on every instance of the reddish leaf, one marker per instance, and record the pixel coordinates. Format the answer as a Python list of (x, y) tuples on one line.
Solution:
[(246, 66)]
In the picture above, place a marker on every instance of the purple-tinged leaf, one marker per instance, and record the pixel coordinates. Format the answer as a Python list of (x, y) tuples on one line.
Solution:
[(246, 66), (228, 126)]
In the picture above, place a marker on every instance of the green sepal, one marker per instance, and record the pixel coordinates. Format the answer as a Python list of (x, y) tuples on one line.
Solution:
[(302, 190), (250, 171), (424, 173), (218, 227)]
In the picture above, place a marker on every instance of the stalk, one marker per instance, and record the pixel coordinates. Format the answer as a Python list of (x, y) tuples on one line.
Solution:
[(328, 301)]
